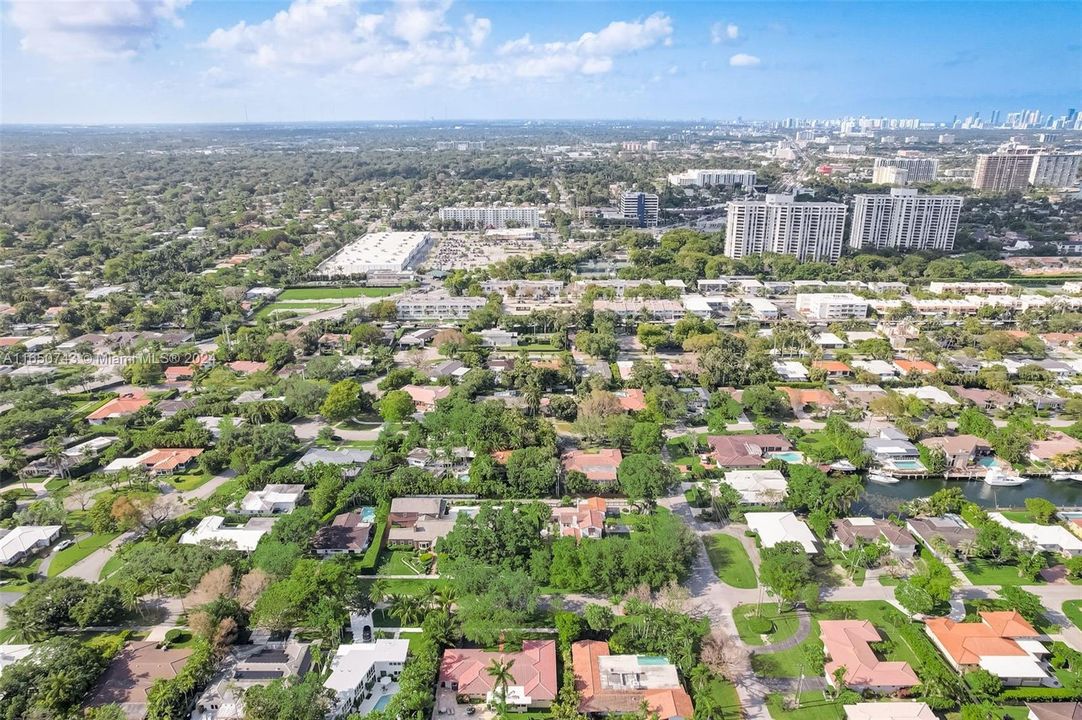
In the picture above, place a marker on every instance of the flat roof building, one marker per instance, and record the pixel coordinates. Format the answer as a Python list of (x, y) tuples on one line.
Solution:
[(905, 220), (377, 252), (492, 216), (712, 178), (808, 231)]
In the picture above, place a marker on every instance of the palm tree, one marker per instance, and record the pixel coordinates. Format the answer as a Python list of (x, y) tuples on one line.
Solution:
[(16, 459), (378, 592), (430, 596), (447, 598), (407, 609), (54, 452), (500, 672)]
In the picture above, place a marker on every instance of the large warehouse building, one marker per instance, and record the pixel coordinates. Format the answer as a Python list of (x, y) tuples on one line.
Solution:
[(378, 252)]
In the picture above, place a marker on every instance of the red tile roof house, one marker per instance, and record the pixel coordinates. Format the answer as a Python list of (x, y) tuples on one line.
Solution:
[(914, 367), (1057, 443), (533, 673), (132, 673), (848, 645), (625, 683), (179, 373), (126, 404), (745, 450), (247, 367), (424, 397), (586, 520), (631, 400), (598, 465), (962, 451), (833, 368), (1002, 642)]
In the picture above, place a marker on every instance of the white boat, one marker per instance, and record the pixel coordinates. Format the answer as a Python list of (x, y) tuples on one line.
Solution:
[(881, 478), (997, 478)]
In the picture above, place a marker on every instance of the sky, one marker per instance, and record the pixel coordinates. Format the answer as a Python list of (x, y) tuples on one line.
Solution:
[(186, 61)]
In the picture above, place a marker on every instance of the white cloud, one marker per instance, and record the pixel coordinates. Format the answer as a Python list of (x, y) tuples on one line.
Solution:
[(592, 53), (415, 41), (744, 60), (724, 32), (91, 29)]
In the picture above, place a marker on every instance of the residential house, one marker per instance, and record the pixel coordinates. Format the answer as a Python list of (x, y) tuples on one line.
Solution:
[(169, 408), (882, 371), (631, 399), (495, 337), (929, 394), (157, 462), (244, 667), (889, 711), (833, 368), (21, 541), (350, 460), (1001, 642), (447, 369), (418, 521), (584, 520), (1049, 538), (758, 487), (746, 450), (598, 466), (347, 533), (1057, 443), (847, 531), (247, 367), (357, 668), (424, 397), (983, 399), (893, 451), (809, 399), (950, 530), (847, 645), (274, 499), (212, 530), (914, 367), (962, 451), (791, 370), (126, 404), (619, 684), (775, 527), (131, 674), (1054, 711), (533, 674)]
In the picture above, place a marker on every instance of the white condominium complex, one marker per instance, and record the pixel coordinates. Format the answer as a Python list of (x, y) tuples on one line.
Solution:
[(831, 306), (1002, 172), (640, 207), (905, 220), (495, 216), (710, 178), (1055, 170), (809, 231), (916, 170)]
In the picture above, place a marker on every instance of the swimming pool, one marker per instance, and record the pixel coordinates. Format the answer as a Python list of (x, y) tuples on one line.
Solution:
[(382, 702), (907, 464), (368, 514), (987, 462), (790, 456), (653, 660)]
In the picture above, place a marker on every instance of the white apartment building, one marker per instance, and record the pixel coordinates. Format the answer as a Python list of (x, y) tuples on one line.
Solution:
[(639, 207), (916, 170), (710, 178), (905, 220), (377, 252), (1055, 170), (809, 231), (437, 305), (493, 216), (987, 287), (831, 306)]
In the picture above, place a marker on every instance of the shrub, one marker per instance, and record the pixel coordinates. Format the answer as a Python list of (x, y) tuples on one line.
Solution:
[(760, 625)]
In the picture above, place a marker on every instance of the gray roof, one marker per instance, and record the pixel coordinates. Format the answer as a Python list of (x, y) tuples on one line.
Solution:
[(338, 456)]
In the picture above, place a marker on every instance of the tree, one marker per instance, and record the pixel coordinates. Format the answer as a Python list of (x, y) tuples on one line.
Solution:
[(52, 681), (599, 617), (646, 437), (500, 672), (1026, 603), (785, 569), (396, 406), (984, 684), (288, 700), (913, 598), (644, 477), (1042, 510), (343, 401), (60, 602)]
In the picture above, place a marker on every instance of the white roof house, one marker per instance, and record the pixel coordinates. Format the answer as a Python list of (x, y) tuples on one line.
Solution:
[(758, 487), (212, 529), (929, 393), (790, 370), (18, 542), (272, 500), (776, 527), (353, 666), (889, 711), (880, 368), (1051, 538)]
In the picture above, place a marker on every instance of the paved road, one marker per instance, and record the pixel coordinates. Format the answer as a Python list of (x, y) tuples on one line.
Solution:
[(803, 629), (90, 567)]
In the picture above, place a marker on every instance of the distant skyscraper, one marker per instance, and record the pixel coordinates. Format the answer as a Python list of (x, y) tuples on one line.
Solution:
[(905, 220), (808, 231), (640, 207)]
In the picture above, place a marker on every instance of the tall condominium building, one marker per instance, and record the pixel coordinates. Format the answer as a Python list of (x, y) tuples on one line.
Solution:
[(1005, 170), (1055, 170), (493, 216), (710, 178), (905, 220), (917, 170), (810, 231), (640, 207)]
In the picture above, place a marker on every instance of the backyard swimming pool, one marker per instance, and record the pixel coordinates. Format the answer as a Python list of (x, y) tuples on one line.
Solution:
[(790, 457), (382, 702)]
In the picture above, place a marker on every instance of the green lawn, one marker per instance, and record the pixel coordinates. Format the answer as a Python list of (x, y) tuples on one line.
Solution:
[(730, 561), (400, 562), (723, 695), (1018, 516), (785, 624), (189, 481), (813, 706), (1073, 610), (69, 556), (20, 577), (982, 572), (406, 587), (336, 293)]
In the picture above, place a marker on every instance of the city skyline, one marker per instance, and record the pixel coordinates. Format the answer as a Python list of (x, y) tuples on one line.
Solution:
[(166, 61)]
